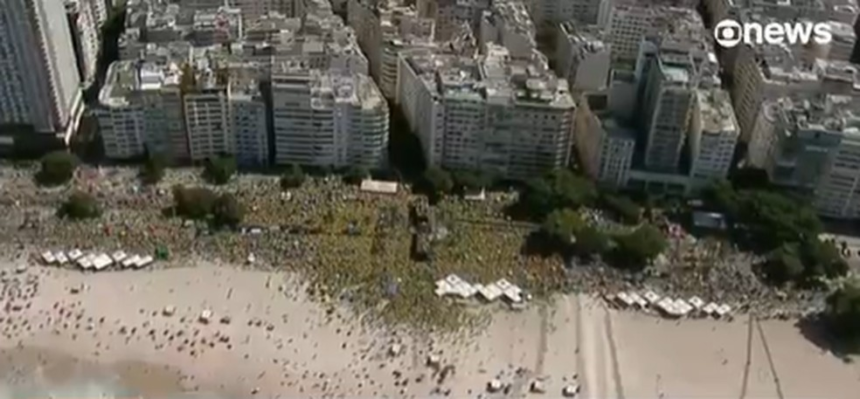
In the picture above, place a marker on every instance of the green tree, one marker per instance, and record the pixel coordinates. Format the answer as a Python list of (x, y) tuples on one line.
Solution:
[(80, 205), (622, 207), (468, 180), (194, 202), (821, 259), (772, 219), (590, 242), (438, 181), (843, 312), (227, 211), (536, 199), (561, 226), (355, 175), (57, 168), (570, 190), (721, 196), (153, 168), (783, 265), (635, 250), (219, 170), (293, 177)]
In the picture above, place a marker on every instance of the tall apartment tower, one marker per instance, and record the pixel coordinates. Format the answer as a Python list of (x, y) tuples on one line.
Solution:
[(39, 84)]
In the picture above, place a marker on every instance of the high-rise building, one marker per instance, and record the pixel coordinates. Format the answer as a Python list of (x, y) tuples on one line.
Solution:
[(328, 120), (39, 84), (582, 57), (605, 147), (812, 143), (713, 135), (509, 116), (669, 74)]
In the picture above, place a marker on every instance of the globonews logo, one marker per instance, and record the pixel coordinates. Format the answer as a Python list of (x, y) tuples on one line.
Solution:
[(729, 33)]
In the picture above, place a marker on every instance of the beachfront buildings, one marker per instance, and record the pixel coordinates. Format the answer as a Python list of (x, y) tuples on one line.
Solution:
[(85, 19), (582, 57), (274, 89), (495, 113), (604, 145), (812, 144), (324, 119), (40, 87)]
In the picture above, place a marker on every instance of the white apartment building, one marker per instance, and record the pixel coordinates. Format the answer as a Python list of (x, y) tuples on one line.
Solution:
[(384, 29), (140, 107), (553, 12), (495, 113), (85, 19), (669, 72), (604, 146), (814, 144), (452, 17), (248, 118), (507, 23), (629, 24), (767, 72), (328, 120), (207, 121), (39, 84), (713, 135), (582, 57)]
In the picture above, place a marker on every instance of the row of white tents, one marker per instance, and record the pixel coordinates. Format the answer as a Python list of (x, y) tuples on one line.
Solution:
[(96, 260), (670, 306), (453, 285)]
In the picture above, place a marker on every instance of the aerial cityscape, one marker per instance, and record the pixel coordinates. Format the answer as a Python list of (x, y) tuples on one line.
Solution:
[(429, 198)]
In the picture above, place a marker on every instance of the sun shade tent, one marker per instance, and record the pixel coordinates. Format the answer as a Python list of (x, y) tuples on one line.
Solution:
[(651, 297), (696, 302), (490, 292), (86, 262), (101, 261), (119, 256), (380, 187), (682, 307), (130, 261), (48, 258), (75, 254), (61, 258), (624, 299), (143, 261), (723, 310), (638, 300), (711, 309)]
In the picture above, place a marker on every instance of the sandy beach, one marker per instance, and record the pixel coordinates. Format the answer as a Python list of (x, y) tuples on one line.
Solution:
[(266, 338)]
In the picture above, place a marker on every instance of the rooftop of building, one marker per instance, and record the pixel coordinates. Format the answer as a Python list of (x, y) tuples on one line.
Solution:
[(822, 113), (125, 78), (329, 88), (493, 77), (716, 112)]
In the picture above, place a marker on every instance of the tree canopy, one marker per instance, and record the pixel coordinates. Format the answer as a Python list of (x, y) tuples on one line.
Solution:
[(153, 168), (783, 265), (470, 180), (227, 211), (293, 177), (80, 205), (561, 225), (57, 168), (843, 312), (193, 202), (355, 175), (638, 248), (220, 169), (557, 189), (438, 181), (622, 207)]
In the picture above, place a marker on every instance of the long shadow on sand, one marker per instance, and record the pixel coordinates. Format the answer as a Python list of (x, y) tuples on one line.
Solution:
[(815, 329)]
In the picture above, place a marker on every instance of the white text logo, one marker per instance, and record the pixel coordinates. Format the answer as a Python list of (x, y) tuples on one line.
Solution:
[(729, 33)]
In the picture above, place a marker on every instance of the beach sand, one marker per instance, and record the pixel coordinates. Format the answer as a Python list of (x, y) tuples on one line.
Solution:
[(278, 343)]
